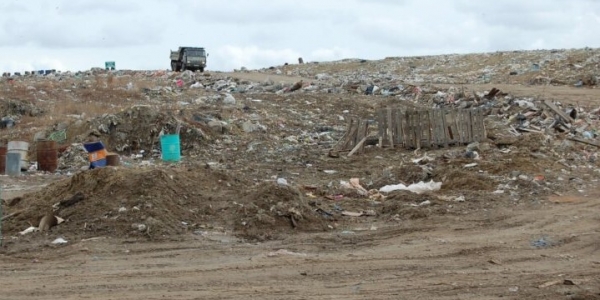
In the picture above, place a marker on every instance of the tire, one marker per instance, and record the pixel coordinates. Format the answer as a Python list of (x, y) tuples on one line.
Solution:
[(201, 70), (173, 66), (183, 68)]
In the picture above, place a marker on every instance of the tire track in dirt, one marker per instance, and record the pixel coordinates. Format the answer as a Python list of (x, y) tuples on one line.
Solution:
[(439, 258)]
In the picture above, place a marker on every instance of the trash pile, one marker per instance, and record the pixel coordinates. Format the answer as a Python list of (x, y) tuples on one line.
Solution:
[(13, 110), (576, 67), (139, 127)]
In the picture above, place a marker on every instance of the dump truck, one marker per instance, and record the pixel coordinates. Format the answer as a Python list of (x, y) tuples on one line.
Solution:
[(188, 58)]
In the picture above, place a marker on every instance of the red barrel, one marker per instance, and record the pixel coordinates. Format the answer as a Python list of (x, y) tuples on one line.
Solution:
[(47, 155), (3, 150)]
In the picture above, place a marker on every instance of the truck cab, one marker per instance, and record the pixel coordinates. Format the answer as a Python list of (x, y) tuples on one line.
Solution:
[(188, 58)]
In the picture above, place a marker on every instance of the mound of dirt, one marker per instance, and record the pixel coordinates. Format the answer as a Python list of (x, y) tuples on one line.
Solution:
[(461, 180), (125, 202), (271, 209), (400, 204)]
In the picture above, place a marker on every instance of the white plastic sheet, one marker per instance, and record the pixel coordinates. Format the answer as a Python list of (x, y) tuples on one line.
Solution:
[(417, 188)]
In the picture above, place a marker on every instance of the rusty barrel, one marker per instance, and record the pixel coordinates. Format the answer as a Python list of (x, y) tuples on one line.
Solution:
[(47, 155), (3, 150), (113, 160)]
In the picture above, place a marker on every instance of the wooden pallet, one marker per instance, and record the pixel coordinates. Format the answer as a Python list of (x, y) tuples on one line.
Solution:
[(432, 128)]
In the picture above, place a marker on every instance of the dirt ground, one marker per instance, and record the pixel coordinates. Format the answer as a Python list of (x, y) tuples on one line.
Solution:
[(482, 255), (522, 224)]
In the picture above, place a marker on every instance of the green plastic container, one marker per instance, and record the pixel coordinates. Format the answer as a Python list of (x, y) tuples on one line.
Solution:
[(169, 145)]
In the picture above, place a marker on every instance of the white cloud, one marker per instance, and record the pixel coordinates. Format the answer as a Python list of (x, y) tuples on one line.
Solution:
[(232, 57), (335, 53), (259, 33)]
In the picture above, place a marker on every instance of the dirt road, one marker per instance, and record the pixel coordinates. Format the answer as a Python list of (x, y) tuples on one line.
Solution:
[(486, 255)]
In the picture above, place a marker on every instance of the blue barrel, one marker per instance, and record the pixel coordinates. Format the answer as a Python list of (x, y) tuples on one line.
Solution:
[(97, 154), (169, 145)]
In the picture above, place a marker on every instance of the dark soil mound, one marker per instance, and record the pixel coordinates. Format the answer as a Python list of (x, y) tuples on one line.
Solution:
[(124, 202), (270, 209)]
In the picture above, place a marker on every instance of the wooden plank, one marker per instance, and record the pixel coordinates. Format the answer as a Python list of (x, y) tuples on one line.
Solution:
[(446, 135), (475, 124), (589, 142), (452, 126), (389, 132), (398, 120), (410, 135), (409, 129), (469, 124), (456, 116), (405, 128), (343, 140), (484, 132), (381, 126), (426, 129), (419, 129), (480, 126), (359, 145), (349, 143), (441, 128), (465, 123), (562, 114), (433, 126), (360, 132), (438, 128)]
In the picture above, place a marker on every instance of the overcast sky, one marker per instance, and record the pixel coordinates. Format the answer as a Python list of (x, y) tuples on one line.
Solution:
[(138, 34)]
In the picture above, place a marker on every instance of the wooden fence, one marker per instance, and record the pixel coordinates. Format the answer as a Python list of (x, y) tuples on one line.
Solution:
[(432, 128), (415, 129), (354, 138)]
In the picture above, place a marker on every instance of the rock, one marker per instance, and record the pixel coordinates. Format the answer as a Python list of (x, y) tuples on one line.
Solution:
[(216, 126), (473, 147), (484, 147), (229, 99), (248, 126), (39, 136)]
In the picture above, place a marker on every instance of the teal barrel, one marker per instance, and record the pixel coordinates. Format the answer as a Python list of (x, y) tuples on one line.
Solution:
[(170, 148)]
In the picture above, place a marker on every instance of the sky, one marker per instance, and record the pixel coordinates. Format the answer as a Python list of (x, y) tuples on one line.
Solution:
[(138, 34)]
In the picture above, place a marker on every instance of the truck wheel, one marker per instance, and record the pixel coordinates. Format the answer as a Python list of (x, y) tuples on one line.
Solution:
[(201, 70), (173, 66), (183, 67)]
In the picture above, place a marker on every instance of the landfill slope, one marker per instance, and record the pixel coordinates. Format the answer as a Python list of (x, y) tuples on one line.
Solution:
[(266, 200)]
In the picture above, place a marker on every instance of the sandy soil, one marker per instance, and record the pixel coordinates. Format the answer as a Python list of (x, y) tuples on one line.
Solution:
[(504, 253)]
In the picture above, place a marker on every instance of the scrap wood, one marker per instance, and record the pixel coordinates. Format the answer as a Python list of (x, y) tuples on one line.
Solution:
[(78, 197), (16, 213), (562, 114), (492, 93), (550, 283), (577, 139), (358, 146), (556, 282), (352, 214)]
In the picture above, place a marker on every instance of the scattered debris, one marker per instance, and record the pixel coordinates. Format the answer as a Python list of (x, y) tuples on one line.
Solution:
[(284, 252), (417, 188)]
